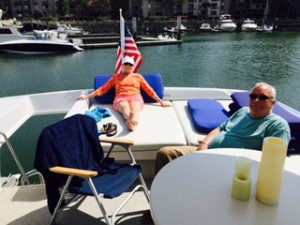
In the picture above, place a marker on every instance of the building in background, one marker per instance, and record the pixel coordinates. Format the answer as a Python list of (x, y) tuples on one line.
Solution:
[(191, 9), (28, 8)]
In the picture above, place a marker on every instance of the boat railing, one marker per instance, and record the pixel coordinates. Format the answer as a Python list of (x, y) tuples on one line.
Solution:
[(24, 175)]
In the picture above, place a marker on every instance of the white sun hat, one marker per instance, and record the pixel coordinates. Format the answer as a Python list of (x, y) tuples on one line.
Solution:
[(128, 59)]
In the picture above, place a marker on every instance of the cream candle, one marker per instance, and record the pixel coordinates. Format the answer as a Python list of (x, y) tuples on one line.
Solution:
[(271, 169), (241, 185)]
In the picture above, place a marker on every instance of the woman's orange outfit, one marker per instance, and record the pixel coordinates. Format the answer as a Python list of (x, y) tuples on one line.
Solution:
[(127, 85)]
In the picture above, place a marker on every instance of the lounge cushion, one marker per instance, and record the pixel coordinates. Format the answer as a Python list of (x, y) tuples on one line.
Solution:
[(241, 99), (207, 114), (154, 80)]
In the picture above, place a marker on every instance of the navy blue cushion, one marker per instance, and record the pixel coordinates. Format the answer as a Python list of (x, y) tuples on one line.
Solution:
[(241, 99), (207, 114), (112, 183), (99, 81), (154, 80)]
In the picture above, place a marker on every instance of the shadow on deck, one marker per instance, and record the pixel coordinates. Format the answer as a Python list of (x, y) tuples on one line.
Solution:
[(27, 205)]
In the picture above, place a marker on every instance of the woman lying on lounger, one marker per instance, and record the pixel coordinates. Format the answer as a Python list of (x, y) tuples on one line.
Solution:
[(128, 99)]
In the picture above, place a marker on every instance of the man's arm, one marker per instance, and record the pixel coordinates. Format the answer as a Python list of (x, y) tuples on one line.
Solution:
[(204, 143)]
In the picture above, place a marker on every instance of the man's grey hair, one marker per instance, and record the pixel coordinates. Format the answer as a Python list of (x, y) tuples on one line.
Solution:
[(273, 90)]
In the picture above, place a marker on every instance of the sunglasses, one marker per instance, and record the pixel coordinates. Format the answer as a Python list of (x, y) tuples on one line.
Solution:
[(128, 64), (263, 98)]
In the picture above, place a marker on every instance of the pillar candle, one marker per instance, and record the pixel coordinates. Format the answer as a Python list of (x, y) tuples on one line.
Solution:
[(271, 170), (241, 185)]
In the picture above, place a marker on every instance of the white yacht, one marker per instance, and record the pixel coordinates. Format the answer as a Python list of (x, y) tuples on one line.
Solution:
[(68, 29), (174, 29), (226, 24), (10, 30), (42, 42), (248, 25)]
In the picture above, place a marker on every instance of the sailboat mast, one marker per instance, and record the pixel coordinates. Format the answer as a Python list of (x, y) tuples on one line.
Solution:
[(265, 13)]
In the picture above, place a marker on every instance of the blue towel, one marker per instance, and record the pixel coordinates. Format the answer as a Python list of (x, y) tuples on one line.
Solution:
[(98, 113), (72, 142)]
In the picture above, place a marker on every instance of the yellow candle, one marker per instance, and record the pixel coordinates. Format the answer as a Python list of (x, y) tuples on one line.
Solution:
[(241, 185), (271, 169)]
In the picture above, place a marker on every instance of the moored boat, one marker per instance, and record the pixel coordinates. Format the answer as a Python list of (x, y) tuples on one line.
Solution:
[(205, 27), (159, 37), (42, 42), (175, 29), (265, 26), (226, 24), (68, 29), (10, 30), (248, 25)]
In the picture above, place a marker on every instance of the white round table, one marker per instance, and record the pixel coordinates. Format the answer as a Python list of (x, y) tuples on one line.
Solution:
[(196, 189)]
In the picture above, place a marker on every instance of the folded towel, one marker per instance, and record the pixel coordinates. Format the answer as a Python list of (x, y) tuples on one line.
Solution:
[(98, 113)]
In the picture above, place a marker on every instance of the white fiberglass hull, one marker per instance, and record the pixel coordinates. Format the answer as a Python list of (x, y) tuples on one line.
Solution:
[(227, 27), (249, 27), (32, 46)]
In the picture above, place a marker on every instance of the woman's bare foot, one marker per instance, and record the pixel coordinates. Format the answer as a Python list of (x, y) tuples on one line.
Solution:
[(130, 125)]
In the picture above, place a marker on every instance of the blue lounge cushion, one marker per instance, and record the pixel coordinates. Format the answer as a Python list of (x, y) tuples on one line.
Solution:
[(241, 99), (207, 114), (154, 80)]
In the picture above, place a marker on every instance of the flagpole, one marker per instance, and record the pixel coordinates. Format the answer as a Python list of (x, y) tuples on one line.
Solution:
[(127, 46), (122, 34)]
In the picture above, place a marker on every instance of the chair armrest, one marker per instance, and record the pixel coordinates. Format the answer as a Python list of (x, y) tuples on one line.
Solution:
[(74, 172), (117, 141)]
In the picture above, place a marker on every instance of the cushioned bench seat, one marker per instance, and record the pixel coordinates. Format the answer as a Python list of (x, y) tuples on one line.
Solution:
[(207, 114), (185, 118), (151, 134), (154, 130)]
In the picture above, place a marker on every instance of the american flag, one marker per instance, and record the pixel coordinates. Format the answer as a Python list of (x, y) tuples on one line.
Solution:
[(127, 47)]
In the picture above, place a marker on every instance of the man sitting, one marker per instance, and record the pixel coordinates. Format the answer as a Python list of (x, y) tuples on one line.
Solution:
[(244, 129)]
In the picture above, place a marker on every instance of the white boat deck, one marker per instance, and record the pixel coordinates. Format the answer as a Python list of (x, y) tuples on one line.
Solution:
[(27, 205), (158, 127)]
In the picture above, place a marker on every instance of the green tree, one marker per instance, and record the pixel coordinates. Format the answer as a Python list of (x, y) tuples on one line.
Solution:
[(62, 7), (205, 6), (116, 5), (91, 8)]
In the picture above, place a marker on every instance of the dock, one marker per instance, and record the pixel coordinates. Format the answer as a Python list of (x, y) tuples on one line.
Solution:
[(111, 40), (139, 43)]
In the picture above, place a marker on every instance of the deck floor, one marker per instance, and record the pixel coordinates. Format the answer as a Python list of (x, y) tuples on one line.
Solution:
[(27, 205)]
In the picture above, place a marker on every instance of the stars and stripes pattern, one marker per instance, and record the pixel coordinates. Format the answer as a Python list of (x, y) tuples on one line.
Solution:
[(127, 47)]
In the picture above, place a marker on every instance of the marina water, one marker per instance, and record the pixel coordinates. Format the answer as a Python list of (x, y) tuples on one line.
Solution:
[(222, 60)]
